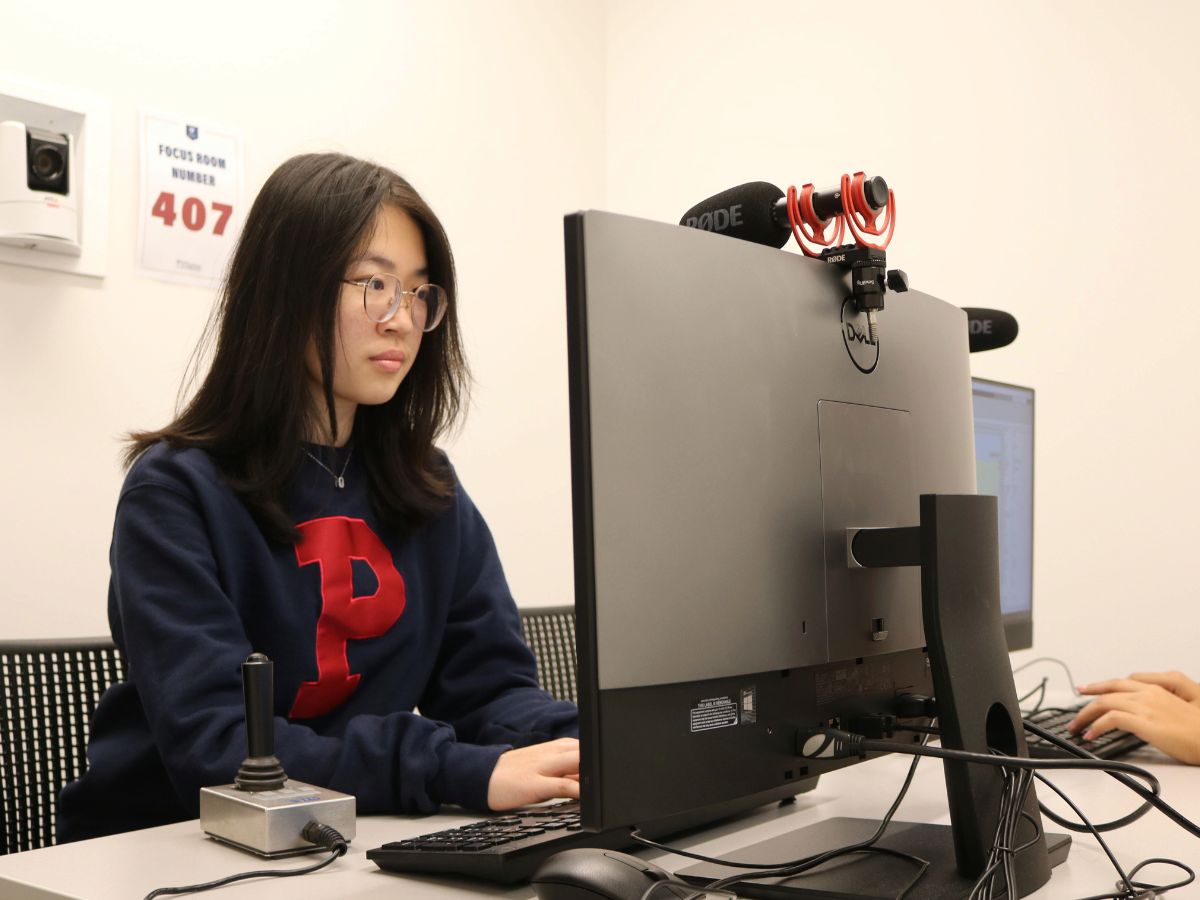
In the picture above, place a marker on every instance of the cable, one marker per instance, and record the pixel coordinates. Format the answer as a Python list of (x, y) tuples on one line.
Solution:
[(799, 866), (1095, 832), (1037, 707), (1132, 888), (1003, 854), (641, 839), (840, 744), (323, 835), (1084, 754), (1056, 661)]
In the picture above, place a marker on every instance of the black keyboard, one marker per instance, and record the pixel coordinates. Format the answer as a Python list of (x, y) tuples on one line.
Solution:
[(1109, 745), (506, 848)]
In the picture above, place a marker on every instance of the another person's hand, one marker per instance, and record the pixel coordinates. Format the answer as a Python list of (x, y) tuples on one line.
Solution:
[(1162, 708), (535, 773)]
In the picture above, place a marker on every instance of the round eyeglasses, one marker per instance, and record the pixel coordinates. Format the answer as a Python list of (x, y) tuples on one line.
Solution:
[(383, 296)]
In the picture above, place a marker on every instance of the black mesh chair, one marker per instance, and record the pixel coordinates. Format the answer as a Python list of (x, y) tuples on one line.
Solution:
[(550, 634), (51, 689)]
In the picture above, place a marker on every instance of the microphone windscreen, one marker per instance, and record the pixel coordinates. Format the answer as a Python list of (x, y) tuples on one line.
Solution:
[(988, 329), (745, 212)]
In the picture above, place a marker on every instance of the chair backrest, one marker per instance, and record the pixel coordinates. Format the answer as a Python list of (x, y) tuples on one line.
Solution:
[(51, 688), (550, 634)]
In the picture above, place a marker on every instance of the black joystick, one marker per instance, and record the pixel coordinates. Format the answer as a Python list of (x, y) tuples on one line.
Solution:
[(260, 770), (263, 811)]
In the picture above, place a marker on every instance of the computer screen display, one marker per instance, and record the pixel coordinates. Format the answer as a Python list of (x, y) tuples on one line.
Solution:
[(1004, 468)]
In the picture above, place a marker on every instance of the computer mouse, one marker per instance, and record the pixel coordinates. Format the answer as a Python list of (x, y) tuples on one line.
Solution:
[(588, 873)]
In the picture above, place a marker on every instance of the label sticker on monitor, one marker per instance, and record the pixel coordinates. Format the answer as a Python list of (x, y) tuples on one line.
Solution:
[(868, 677), (715, 712), (749, 705)]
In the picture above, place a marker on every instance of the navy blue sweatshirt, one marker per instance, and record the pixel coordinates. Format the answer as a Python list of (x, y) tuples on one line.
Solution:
[(363, 629)]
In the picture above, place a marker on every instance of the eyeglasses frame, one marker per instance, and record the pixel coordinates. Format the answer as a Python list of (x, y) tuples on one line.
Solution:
[(405, 305)]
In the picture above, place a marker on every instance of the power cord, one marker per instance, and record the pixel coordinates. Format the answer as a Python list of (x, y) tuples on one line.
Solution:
[(829, 743), (795, 866), (1082, 754), (315, 833), (1002, 857), (1042, 686), (1040, 690)]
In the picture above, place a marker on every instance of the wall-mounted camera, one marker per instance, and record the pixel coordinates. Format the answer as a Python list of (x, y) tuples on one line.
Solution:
[(38, 210)]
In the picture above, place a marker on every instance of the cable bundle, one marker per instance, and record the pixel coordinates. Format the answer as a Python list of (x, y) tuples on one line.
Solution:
[(1004, 849), (1018, 774)]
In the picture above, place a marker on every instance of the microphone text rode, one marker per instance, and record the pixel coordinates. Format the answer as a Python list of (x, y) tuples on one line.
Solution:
[(989, 329), (760, 212)]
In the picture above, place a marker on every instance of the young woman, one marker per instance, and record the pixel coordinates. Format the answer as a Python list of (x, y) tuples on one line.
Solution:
[(298, 507)]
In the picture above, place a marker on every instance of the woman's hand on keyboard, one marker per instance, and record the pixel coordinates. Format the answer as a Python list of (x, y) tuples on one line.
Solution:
[(1175, 682), (535, 773), (1162, 708)]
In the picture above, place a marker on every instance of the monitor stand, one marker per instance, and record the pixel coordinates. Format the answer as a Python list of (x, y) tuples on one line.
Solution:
[(956, 546), (860, 876)]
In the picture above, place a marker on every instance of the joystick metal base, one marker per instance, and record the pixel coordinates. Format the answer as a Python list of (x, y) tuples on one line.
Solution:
[(268, 823)]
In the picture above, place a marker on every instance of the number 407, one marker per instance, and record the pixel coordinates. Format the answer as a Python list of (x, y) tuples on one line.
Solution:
[(193, 212)]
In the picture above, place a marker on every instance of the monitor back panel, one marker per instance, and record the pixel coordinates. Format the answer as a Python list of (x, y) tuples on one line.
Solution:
[(729, 422)]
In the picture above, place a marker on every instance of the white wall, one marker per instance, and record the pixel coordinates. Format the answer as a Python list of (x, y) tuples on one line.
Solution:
[(1039, 153), (1043, 157), (495, 111)]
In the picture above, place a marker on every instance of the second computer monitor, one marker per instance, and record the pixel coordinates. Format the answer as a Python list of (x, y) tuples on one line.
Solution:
[(1004, 468)]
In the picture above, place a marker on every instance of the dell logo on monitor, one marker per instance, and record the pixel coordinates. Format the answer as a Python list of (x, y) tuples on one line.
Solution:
[(863, 352)]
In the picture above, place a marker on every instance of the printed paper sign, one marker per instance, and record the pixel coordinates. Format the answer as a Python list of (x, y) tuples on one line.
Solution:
[(190, 204)]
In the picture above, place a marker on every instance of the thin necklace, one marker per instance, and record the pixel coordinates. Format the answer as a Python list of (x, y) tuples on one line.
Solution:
[(339, 481)]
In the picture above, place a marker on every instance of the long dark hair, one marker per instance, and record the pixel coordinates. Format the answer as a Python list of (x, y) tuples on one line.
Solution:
[(254, 408)]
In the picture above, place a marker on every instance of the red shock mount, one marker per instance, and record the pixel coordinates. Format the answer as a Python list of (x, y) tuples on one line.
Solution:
[(809, 228), (856, 202)]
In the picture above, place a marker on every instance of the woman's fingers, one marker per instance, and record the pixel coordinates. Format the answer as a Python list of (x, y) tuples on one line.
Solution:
[(1175, 682), (561, 787), (1154, 714), (561, 764), (1113, 685), (1098, 708), (535, 773), (1113, 718)]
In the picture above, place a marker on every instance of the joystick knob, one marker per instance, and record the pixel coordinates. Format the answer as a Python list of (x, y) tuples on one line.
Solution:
[(260, 770)]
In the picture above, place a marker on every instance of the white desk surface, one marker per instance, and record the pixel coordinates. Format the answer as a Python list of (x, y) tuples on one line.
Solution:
[(129, 866)]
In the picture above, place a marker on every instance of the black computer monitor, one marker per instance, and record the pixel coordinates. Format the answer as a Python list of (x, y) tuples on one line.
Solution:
[(1004, 468), (732, 422)]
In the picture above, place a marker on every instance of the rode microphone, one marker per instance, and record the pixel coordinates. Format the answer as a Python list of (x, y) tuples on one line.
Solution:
[(746, 212), (761, 213), (989, 329), (758, 210)]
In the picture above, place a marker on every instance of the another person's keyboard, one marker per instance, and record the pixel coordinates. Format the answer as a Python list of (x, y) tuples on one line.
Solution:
[(1109, 745), (506, 848)]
